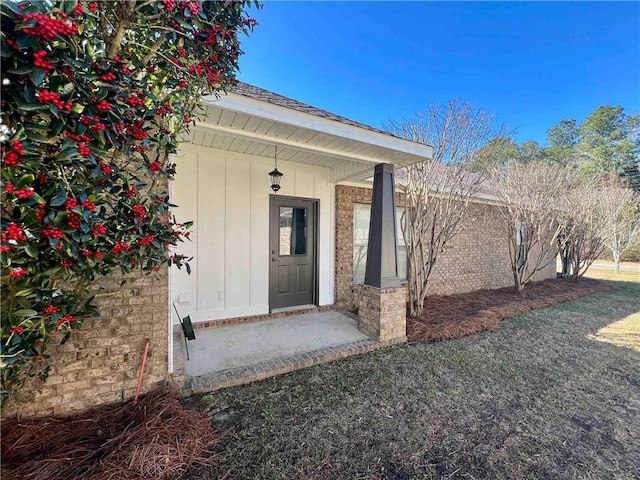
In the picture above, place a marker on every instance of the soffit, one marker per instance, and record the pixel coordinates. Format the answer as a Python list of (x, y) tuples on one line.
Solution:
[(239, 124)]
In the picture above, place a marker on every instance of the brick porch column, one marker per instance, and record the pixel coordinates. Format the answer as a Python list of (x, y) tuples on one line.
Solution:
[(382, 307)]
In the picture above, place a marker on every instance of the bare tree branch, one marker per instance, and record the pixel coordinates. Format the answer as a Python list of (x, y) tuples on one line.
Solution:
[(438, 191), (531, 207), (621, 207)]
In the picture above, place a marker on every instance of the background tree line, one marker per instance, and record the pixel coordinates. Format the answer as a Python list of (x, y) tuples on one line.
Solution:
[(606, 141)]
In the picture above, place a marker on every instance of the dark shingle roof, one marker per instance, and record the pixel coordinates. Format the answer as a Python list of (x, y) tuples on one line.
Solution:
[(266, 96)]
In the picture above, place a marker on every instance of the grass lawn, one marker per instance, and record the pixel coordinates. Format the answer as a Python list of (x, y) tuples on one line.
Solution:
[(540, 397), (610, 274)]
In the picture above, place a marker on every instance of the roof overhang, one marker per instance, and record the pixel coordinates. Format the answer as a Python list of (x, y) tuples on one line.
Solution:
[(238, 123)]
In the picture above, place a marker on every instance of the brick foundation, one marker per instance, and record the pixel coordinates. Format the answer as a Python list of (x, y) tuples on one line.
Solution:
[(382, 313)]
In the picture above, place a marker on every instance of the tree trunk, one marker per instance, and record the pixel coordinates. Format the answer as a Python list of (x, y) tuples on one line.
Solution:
[(616, 258)]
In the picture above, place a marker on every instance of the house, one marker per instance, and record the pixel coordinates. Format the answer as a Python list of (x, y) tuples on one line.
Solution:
[(260, 253), (223, 185)]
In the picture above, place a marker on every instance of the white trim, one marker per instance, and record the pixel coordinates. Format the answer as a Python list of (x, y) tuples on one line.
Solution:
[(242, 104), (170, 305)]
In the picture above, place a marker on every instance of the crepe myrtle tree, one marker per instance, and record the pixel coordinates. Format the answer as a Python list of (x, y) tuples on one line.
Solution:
[(620, 206), (584, 224), (530, 196), (94, 98), (438, 191)]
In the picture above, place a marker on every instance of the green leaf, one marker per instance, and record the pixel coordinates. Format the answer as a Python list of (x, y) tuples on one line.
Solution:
[(25, 292), (35, 126), (183, 24), (24, 41), (67, 153), (7, 51), (56, 127), (32, 252), (68, 89), (30, 93), (37, 76), (25, 312), (14, 8), (59, 199), (25, 180), (37, 199), (29, 106), (70, 6), (38, 137)]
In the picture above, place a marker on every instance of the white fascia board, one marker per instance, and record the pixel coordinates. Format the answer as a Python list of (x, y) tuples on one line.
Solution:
[(294, 118)]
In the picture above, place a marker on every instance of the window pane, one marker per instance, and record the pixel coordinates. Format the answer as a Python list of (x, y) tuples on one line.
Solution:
[(361, 219), (399, 213), (359, 263), (402, 262), (402, 249), (293, 231)]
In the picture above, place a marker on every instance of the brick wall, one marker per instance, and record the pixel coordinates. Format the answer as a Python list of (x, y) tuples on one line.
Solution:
[(346, 293), (382, 313), (100, 363), (476, 258)]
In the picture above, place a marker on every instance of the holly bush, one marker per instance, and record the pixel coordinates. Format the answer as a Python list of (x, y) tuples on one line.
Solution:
[(95, 96)]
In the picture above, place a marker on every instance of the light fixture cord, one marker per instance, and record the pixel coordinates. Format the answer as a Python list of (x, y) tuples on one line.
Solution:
[(275, 157)]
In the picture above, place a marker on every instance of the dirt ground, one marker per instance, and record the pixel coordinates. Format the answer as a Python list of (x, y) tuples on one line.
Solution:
[(536, 398), (455, 316)]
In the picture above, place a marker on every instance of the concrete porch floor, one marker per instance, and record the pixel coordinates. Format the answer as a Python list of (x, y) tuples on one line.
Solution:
[(231, 355)]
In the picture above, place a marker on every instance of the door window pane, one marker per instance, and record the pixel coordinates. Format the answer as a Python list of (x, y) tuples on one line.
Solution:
[(293, 231)]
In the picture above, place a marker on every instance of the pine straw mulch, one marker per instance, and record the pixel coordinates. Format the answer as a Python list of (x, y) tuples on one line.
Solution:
[(453, 316), (156, 439)]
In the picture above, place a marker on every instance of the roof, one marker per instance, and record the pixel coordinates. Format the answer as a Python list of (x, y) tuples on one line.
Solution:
[(254, 121), (261, 94)]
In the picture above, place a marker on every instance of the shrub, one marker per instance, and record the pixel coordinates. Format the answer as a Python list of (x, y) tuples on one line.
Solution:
[(94, 98)]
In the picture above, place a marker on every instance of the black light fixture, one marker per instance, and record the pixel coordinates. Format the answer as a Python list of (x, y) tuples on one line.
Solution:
[(275, 174)]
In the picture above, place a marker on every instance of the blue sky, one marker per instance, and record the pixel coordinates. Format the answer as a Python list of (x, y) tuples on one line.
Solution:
[(532, 63)]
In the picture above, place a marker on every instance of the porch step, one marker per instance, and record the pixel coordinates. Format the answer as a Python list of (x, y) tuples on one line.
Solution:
[(278, 366)]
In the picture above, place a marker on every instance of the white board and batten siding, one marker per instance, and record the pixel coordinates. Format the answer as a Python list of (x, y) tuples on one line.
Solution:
[(226, 194)]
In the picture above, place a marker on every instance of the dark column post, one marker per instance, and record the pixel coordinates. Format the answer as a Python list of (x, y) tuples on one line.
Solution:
[(382, 253)]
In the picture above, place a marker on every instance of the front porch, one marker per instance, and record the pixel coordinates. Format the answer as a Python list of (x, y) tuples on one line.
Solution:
[(229, 355), (259, 249)]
